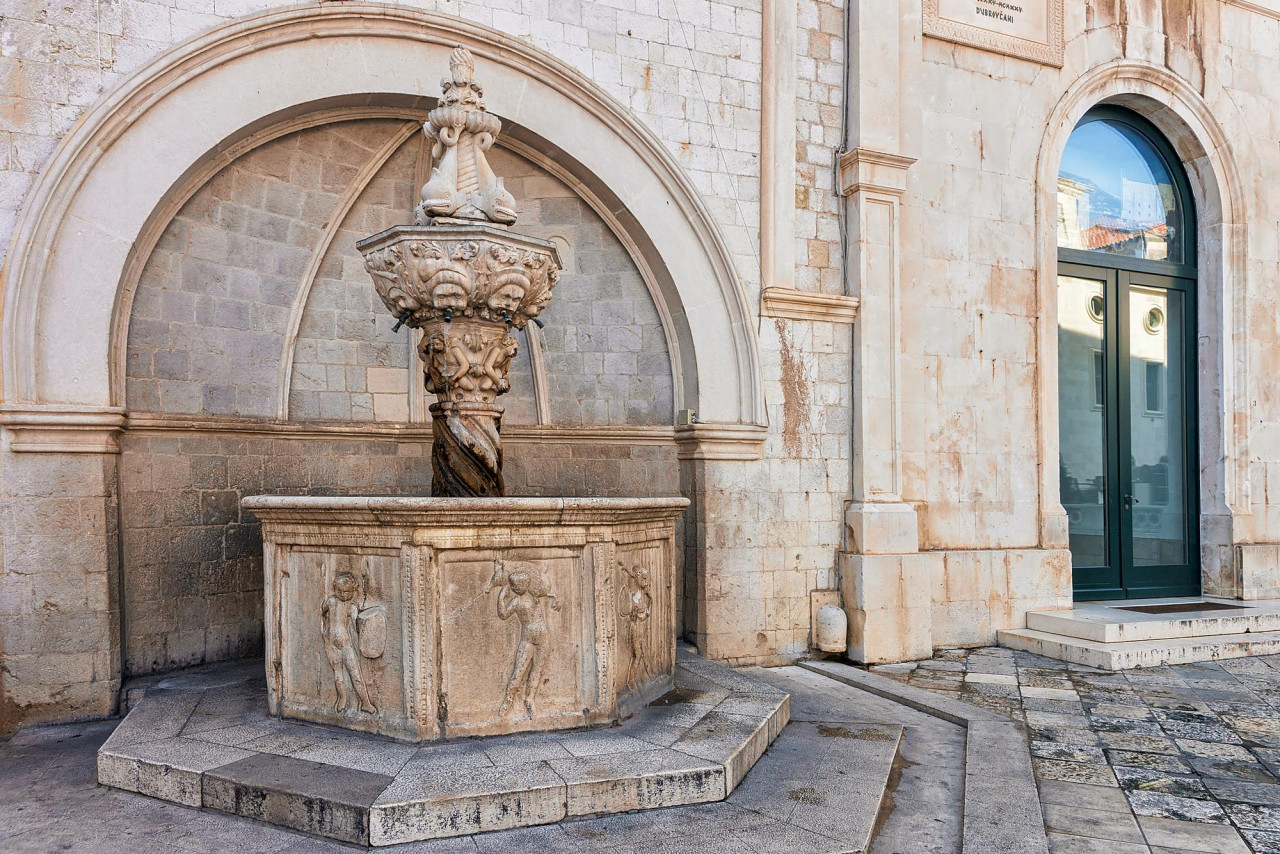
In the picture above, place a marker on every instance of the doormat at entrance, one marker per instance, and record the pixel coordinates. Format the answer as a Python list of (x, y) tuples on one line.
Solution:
[(1181, 607)]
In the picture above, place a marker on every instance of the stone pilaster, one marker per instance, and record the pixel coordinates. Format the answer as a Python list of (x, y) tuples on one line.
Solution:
[(59, 580), (884, 578)]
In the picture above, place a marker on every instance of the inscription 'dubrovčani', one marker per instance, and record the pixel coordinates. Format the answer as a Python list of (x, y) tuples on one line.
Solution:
[(998, 10)]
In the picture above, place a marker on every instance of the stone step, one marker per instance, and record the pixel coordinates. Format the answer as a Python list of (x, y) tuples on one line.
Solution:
[(212, 744), (834, 763), (1114, 623), (1124, 655), (1001, 809)]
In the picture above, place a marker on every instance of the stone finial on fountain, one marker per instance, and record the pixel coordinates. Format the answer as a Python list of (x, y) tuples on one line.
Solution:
[(466, 281), (462, 185)]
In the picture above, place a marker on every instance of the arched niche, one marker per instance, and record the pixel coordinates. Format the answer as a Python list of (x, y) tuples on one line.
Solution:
[(197, 105)]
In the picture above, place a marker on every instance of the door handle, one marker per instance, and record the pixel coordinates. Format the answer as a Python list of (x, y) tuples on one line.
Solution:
[(1128, 501)]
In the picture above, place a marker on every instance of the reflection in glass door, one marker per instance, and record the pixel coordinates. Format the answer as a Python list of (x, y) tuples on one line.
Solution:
[(1155, 483), (1083, 390), (1126, 432)]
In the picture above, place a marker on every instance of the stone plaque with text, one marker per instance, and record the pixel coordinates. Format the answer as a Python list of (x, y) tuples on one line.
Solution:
[(1027, 29)]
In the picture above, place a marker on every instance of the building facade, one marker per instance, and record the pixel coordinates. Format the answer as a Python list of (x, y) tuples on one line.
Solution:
[(890, 291)]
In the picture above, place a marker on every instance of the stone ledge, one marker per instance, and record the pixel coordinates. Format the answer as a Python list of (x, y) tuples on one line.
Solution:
[(206, 740), (792, 304), (63, 429), (1126, 655)]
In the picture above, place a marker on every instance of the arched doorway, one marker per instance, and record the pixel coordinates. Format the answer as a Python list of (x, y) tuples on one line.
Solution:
[(1128, 462)]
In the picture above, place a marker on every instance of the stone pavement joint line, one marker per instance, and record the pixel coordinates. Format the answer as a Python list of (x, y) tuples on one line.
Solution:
[(1174, 758), (217, 747)]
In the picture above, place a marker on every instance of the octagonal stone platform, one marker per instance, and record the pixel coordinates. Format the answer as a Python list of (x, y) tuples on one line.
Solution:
[(208, 741)]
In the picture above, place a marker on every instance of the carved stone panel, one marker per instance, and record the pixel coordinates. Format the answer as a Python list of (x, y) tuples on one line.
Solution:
[(645, 604), (516, 639), (342, 629), (1027, 29)]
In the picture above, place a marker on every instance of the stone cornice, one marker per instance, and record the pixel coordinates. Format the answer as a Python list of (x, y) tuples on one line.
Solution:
[(154, 424), (1268, 8), (868, 170), (792, 304), (720, 441), (57, 429)]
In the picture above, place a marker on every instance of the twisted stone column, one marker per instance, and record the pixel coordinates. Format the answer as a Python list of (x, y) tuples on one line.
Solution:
[(466, 449)]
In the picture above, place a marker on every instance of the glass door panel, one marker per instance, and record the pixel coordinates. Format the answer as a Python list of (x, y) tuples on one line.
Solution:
[(1126, 425), (1158, 500), (1084, 462)]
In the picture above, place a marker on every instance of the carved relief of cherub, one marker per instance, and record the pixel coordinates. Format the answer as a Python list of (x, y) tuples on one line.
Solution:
[(339, 626), (636, 606), (496, 363), (523, 591)]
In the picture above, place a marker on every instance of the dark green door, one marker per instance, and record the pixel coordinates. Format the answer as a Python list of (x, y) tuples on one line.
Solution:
[(1128, 467), (1127, 464)]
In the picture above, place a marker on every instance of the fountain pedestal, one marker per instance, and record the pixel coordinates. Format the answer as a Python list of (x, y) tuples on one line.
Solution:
[(428, 618), (466, 613)]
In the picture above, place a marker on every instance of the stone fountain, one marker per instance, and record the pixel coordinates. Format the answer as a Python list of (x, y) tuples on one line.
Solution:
[(467, 613)]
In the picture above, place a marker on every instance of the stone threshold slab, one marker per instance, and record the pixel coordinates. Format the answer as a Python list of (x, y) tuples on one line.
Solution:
[(206, 740), (1002, 810), (1110, 622), (1151, 653)]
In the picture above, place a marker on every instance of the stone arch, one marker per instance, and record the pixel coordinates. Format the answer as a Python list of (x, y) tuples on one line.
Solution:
[(1186, 120), (77, 238)]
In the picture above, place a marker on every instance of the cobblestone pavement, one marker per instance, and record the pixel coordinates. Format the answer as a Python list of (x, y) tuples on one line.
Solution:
[(1181, 758)]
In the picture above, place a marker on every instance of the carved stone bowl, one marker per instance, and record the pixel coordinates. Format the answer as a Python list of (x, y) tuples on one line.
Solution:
[(429, 618)]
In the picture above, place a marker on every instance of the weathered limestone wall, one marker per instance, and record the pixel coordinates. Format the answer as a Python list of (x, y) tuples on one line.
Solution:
[(974, 282), (1248, 46)]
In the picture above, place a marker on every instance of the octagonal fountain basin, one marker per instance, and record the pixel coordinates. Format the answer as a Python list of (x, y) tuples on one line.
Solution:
[(429, 618)]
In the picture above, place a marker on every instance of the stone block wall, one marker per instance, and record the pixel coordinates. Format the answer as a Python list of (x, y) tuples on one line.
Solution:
[(192, 559), (59, 601), (820, 99)]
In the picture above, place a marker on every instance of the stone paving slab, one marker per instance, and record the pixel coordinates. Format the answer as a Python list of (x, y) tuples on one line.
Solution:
[(209, 742), (1185, 751)]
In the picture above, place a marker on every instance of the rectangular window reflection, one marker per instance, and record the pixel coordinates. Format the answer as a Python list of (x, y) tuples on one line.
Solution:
[(1082, 423), (1157, 459)]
